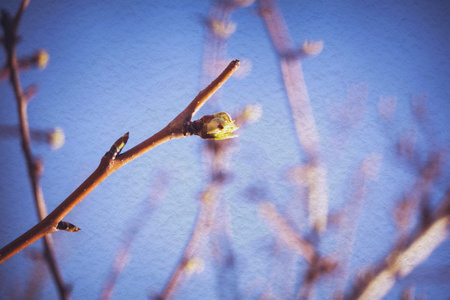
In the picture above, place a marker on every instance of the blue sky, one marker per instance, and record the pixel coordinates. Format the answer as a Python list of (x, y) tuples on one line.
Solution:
[(119, 66)]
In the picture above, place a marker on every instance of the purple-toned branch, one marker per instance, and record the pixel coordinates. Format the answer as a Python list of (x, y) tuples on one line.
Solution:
[(297, 93), (10, 28)]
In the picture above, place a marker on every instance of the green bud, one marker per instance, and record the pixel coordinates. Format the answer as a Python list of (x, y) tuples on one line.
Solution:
[(219, 126)]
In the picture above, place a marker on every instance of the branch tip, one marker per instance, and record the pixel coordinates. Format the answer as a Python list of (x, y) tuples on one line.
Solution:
[(118, 145), (205, 94), (122, 141), (125, 137)]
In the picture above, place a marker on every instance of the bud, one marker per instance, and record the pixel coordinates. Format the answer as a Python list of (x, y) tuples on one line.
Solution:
[(251, 113), (42, 59), (221, 28), (56, 138), (195, 265), (66, 226), (219, 126), (312, 48)]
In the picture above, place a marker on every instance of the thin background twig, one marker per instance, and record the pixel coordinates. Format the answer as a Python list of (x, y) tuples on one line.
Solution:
[(297, 94), (34, 166)]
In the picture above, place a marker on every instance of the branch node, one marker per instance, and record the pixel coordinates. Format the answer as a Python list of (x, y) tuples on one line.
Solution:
[(219, 126), (38, 166), (10, 36), (191, 128)]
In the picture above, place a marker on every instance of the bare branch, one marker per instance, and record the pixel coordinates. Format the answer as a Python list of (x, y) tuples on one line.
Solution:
[(297, 243), (10, 28), (398, 264), (111, 162), (209, 205), (294, 82), (123, 255)]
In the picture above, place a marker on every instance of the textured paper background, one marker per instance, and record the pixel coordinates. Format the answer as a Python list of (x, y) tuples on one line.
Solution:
[(118, 66)]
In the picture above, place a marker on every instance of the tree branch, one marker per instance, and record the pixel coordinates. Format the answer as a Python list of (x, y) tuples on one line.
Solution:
[(112, 161), (377, 282), (297, 94), (10, 28)]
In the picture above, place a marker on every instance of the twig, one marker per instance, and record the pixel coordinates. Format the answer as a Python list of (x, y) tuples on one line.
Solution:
[(201, 231), (209, 204), (122, 256), (297, 243), (38, 59), (112, 161), (317, 265), (421, 188), (368, 171), (400, 262), (220, 29), (299, 101), (10, 28), (54, 137)]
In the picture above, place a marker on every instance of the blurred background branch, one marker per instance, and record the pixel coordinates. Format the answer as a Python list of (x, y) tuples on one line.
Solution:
[(299, 101), (35, 166)]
